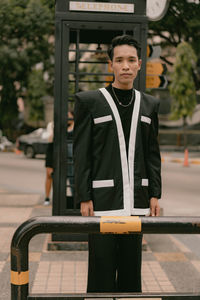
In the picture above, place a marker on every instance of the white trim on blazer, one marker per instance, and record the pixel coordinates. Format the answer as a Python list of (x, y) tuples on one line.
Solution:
[(132, 138), (123, 212), (146, 119), (103, 119), (126, 164), (145, 182), (122, 147), (102, 183)]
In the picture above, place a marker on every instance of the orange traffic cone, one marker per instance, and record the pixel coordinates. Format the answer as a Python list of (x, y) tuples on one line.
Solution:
[(186, 162), (17, 151)]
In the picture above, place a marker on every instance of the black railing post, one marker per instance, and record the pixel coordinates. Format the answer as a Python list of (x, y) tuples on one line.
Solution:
[(19, 266), (22, 236), (76, 224)]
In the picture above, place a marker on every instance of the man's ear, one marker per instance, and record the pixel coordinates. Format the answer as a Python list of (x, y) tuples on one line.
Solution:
[(110, 68)]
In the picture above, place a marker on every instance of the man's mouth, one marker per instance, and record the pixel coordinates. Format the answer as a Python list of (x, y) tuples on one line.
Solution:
[(126, 74)]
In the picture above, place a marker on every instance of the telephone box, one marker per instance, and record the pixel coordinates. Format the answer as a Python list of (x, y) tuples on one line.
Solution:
[(83, 31)]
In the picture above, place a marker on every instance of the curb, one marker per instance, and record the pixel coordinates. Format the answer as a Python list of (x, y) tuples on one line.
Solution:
[(180, 160)]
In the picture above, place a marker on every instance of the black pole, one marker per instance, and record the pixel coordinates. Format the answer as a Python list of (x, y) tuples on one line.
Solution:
[(19, 271)]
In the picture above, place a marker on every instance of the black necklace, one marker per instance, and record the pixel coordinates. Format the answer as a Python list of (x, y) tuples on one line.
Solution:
[(120, 103)]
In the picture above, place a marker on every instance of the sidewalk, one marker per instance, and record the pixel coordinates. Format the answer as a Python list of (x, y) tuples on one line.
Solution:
[(178, 157), (169, 264)]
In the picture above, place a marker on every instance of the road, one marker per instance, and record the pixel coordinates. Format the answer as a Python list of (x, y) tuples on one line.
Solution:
[(181, 189), (181, 185), (19, 174)]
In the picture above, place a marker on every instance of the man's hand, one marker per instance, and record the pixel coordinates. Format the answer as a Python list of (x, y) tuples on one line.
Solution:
[(87, 208), (154, 207)]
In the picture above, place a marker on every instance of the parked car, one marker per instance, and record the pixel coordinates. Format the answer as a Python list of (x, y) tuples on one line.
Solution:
[(33, 143), (5, 144)]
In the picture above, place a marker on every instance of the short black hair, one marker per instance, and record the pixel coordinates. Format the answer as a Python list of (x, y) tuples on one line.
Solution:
[(123, 40)]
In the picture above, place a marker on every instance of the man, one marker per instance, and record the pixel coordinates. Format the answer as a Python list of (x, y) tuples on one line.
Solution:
[(117, 167)]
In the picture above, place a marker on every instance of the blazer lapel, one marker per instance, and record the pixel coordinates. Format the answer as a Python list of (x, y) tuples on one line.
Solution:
[(122, 146), (132, 141)]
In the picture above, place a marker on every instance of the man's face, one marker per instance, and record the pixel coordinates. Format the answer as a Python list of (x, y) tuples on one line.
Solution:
[(125, 66)]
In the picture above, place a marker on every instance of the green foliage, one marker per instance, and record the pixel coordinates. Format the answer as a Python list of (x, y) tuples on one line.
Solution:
[(35, 92), (182, 87), (26, 26), (181, 23), (95, 70)]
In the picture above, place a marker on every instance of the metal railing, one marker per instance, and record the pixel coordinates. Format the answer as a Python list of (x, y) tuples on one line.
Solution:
[(76, 224), (177, 136)]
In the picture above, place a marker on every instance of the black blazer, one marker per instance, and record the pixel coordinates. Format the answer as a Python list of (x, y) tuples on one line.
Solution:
[(117, 185)]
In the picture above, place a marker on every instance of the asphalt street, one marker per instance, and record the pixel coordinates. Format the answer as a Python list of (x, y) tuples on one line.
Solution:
[(180, 184), (19, 174)]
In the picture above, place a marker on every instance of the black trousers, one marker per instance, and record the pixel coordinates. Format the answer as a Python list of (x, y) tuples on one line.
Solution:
[(114, 263)]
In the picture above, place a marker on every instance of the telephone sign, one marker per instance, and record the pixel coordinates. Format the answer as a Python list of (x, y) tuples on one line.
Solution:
[(101, 7)]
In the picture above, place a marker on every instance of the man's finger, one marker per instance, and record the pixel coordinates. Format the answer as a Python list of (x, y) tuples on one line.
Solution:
[(91, 210), (153, 211), (157, 211), (84, 213), (84, 210)]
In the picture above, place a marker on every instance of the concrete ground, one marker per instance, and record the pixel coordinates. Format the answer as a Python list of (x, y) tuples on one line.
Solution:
[(170, 264)]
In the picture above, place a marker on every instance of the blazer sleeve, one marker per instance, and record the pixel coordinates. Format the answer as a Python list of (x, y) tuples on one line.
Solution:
[(154, 159), (82, 151)]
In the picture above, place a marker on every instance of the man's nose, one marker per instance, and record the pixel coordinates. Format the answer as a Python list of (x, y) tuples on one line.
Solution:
[(125, 65)]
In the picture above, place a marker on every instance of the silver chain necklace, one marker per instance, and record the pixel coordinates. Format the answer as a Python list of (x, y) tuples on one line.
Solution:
[(120, 103)]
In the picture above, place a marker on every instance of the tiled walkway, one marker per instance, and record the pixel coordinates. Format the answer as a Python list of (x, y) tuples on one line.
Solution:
[(69, 274), (169, 264)]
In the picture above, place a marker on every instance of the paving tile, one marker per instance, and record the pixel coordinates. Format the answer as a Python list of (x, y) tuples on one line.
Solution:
[(66, 271), (62, 277), (168, 289), (169, 256), (154, 276), (34, 256), (4, 256), (6, 234), (17, 215), (2, 264), (191, 256), (160, 242), (179, 244), (189, 278), (147, 256), (196, 264), (19, 200), (38, 243), (5, 282), (191, 241)]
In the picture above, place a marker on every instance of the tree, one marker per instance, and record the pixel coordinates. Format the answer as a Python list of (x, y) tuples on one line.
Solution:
[(182, 87), (181, 23), (36, 90), (26, 26)]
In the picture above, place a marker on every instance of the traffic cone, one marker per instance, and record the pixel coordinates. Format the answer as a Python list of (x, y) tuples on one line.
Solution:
[(186, 162), (17, 151)]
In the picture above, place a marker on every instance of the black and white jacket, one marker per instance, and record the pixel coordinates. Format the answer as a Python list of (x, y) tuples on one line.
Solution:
[(117, 183)]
